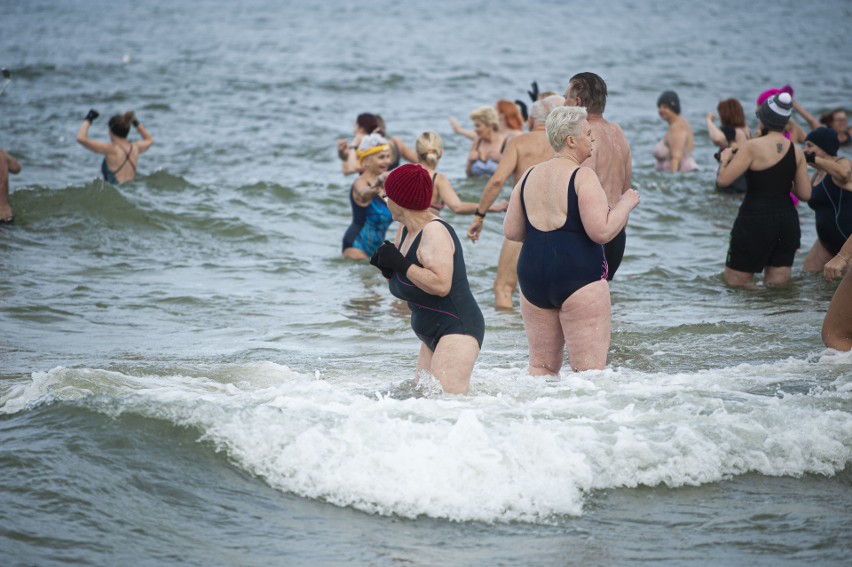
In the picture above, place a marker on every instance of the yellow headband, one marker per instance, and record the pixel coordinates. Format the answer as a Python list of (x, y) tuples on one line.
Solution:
[(374, 150)]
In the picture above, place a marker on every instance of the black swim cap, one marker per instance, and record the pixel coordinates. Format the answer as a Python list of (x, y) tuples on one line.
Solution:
[(670, 99), (826, 139)]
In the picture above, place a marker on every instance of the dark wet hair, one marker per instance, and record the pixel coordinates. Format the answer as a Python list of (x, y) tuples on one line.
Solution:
[(731, 113), (367, 122), (828, 117), (592, 91), (120, 124)]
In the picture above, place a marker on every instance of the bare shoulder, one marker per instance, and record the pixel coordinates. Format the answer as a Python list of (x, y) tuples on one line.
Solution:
[(436, 236)]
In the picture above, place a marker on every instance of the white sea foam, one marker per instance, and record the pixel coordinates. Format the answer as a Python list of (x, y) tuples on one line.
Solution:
[(517, 448)]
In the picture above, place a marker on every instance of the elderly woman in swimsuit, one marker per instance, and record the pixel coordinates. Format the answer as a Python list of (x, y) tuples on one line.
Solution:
[(370, 215), (487, 147), (429, 151), (120, 155), (561, 214), (425, 267)]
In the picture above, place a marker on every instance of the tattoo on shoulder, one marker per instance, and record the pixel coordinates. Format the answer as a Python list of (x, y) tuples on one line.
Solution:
[(779, 147)]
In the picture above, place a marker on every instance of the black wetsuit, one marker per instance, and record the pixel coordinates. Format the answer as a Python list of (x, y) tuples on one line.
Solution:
[(833, 211), (433, 317), (766, 231)]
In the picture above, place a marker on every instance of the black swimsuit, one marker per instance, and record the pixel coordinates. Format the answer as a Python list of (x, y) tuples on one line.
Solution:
[(433, 317), (766, 231), (109, 175)]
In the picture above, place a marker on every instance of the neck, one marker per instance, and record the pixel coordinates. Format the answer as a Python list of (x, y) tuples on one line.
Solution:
[(414, 221), (567, 154), (594, 116)]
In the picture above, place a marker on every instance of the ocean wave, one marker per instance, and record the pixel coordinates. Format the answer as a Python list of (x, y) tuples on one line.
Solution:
[(516, 449)]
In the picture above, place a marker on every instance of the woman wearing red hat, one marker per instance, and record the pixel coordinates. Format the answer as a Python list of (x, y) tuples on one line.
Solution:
[(426, 267)]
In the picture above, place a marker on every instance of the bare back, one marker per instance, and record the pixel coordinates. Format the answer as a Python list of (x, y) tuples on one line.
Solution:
[(531, 149), (610, 158)]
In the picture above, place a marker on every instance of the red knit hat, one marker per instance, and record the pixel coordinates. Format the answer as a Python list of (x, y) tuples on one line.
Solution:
[(410, 187)]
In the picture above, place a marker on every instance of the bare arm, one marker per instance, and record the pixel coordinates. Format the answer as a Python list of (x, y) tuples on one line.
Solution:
[(716, 135), (801, 184), (601, 222), (835, 267), (147, 139), (732, 164), (93, 145), (514, 225), (404, 151), (436, 254), (469, 134), (812, 122), (840, 170), (12, 164), (492, 189), (676, 139)]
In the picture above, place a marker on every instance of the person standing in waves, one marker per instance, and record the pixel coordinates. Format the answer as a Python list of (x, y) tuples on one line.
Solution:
[(425, 267), (120, 155), (561, 214)]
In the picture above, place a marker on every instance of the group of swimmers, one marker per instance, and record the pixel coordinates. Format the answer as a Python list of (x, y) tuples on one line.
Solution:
[(767, 167)]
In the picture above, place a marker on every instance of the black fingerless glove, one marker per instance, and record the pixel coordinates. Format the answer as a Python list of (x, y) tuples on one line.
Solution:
[(523, 106), (374, 260), (534, 92), (810, 157), (92, 115), (389, 256)]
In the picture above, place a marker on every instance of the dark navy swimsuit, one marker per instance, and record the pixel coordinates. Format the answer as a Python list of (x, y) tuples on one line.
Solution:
[(554, 264), (833, 212), (109, 175), (433, 317)]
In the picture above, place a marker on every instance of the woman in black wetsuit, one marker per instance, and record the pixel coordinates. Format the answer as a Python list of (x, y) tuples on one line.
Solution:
[(426, 267), (766, 233)]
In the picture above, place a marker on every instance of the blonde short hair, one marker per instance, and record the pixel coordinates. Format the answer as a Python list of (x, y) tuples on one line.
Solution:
[(486, 115)]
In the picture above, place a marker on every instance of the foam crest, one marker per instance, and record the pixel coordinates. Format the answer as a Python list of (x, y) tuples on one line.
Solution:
[(517, 449)]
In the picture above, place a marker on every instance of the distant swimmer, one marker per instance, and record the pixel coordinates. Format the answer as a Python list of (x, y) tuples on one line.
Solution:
[(831, 197), (731, 134), (835, 119), (425, 267), (521, 153), (8, 165), (120, 155), (674, 152), (365, 124), (766, 232), (370, 215), (610, 159), (487, 147), (429, 151)]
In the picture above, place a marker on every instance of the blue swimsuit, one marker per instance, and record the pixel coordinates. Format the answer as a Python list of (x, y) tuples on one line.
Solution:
[(483, 167), (554, 264), (833, 214), (433, 317), (369, 225)]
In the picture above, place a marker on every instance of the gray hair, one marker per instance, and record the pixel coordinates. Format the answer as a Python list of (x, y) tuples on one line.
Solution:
[(541, 108), (371, 141), (564, 121)]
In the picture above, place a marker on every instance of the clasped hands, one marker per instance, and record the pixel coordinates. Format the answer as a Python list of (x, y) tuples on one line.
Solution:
[(389, 259)]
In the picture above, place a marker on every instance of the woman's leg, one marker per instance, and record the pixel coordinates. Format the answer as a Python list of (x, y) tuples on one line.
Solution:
[(816, 258), (837, 325), (777, 275), (739, 279), (354, 254), (452, 362), (545, 339), (585, 319)]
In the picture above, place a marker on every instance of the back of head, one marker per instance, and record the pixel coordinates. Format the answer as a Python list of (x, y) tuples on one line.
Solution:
[(775, 112), (381, 128), (120, 124), (670, 100), (592, 91), (486, 115), (564, 121), (367, 122), (543, 107), (429, 148), (731, 113), (510, 111)]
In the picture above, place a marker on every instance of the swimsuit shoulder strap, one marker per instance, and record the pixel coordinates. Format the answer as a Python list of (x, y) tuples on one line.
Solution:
[(523, 185)]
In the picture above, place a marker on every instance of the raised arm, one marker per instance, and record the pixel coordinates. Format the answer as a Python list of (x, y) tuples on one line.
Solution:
[(147, 139), (407, 153), (469, 134), (812, 122), (492, 189), (83, 136), (716, 135)]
